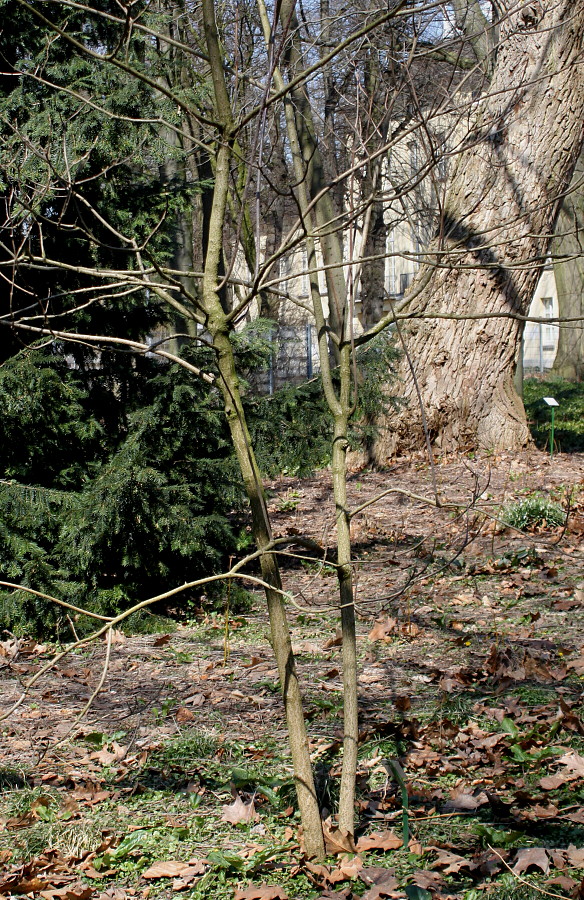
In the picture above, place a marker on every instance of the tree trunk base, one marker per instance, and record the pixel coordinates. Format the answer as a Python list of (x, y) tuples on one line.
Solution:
[(491, 419)]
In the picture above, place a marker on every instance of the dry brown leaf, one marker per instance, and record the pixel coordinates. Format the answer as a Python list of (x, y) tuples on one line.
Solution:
[(577, 817), (334, 642), (321, 873), (577, 665), (76, 891), (382, 630), (542, 812), (383, 882), (451, 863), (534, 856), (381, 840), (238, 811), (563, 881), (574, 763), (184, 715), (379, 891), (162, 640), (255, 661), (558, 858), (427, 880), (171, 868), (115, 893), (335, 895), (575, 856), (332, 673), (424, 757), (261, 892), (196, 700), (107, 757), (375, 874), (462, 800), (350, 868), (551, 782), (337, 840)]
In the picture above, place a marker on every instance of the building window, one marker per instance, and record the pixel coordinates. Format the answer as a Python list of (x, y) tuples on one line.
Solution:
[(391, 273), (549, 331)]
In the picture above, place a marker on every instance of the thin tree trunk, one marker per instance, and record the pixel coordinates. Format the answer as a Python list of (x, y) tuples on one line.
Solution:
[(499, 214), (229, 384), (569, 243), (347, 601)]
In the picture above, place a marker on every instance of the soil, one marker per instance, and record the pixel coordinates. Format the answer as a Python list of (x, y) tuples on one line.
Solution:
[(449, 582)]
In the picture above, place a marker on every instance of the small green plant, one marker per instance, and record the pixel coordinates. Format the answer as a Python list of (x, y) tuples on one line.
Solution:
[(533, 512), (159, 713), (289, 503)]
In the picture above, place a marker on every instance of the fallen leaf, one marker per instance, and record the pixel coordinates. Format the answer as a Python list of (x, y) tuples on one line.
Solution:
[(184, 715), (238, 811), (534, 856), (541, 812), (574, 763), (171, 868), (337, 840), (350, 868), (403, 703), (107, 757), (383, 840), (162, 640), (382, 630), (577, 817), (551, 782), (563, 881), (261, 892), (425, 880), (383, 882), (462, 800), (334, 642), (376, 875), (575, 856), (75, 891), (577, 665), (451, 863), (334, 895), (321, 873)]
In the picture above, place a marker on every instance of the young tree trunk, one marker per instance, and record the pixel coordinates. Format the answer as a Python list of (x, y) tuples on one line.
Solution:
[(219, 329), (569, 362), (495, 233)]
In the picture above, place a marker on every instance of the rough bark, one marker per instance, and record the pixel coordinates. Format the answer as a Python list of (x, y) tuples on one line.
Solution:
[(569, 272), (498, 217)]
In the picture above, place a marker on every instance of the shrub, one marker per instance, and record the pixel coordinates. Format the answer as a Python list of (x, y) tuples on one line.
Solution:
[(533, 512), (140, 502)]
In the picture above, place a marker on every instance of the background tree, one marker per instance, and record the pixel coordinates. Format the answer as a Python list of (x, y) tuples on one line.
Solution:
[(569, 273), (495, 230)]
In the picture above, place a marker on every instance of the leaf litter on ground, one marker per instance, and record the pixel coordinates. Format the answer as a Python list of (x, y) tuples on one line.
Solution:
[(473, 682)]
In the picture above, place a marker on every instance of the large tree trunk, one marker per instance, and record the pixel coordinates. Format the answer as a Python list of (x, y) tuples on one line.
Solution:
[(499, 213), (569, 274)]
